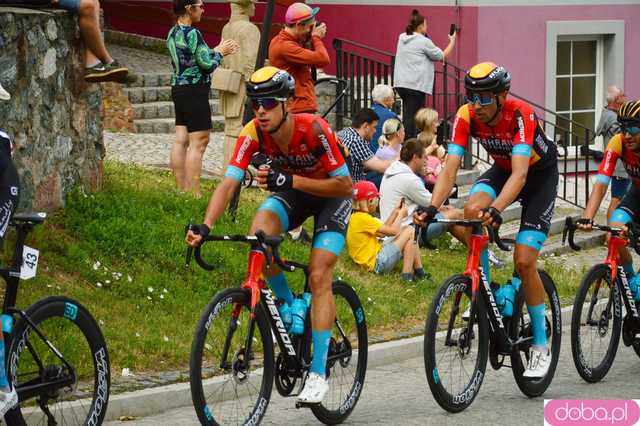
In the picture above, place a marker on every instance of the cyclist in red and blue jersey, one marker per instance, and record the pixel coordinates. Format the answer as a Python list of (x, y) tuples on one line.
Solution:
[(524, 169), (624, 146), (308, 177)]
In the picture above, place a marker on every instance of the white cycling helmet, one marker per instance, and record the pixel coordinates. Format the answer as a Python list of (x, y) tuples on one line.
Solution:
[(4, 95)]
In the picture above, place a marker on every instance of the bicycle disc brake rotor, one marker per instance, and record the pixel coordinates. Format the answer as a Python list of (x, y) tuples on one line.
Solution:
[(54, 373), (464, 342), (603, 323), (240, 367)]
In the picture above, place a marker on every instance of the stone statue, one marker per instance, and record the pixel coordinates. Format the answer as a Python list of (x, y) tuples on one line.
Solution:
[(238, 28)]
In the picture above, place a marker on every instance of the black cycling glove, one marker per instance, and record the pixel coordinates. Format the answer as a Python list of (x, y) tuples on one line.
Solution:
[(201, 229), (430, 211), (279, 181), (495, 215)]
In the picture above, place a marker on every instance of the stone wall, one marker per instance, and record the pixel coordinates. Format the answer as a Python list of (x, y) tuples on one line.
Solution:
[(53, 115)]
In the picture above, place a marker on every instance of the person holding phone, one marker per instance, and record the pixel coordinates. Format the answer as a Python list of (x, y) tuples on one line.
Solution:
[(414, 69)]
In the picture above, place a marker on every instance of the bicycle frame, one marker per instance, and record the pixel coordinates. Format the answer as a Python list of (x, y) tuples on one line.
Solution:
[(479, 241), (618, 276)]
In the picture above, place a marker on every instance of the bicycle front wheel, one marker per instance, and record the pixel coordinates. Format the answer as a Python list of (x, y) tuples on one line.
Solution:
[(347, 357), (230, 383), (455, 355), (596, 323), (70, 388), (521, 328)]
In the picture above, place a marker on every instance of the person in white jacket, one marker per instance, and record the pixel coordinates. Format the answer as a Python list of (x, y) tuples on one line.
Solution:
[(403, 179), (414, 68)]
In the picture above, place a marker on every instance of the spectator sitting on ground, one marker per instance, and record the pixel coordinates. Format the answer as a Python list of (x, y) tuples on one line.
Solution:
[(364, 229), (390, 145), (356, 139), (402, 181), (427, 123), (383, 98), (100, 66)]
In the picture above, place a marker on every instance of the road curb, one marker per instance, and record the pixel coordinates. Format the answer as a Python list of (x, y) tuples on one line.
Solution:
[(156, 400)]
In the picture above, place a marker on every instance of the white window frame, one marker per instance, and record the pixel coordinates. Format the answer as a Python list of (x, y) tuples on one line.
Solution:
[(611, 61), (598, 75)]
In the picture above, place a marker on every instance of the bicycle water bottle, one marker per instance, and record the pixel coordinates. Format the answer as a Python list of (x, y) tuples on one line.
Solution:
[(299, 313), (285, 315), (506, 294)]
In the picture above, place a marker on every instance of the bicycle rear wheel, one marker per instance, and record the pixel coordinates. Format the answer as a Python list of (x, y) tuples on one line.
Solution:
[(234, 389), (521, 327), (347, 358), (77, 393), (596, 323), (455, 357)]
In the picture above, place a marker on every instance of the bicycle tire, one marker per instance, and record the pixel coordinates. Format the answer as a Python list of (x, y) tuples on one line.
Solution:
[(338, 412), (70, 407), (458, 401), (536, 387), (205, 409), (589, 372)]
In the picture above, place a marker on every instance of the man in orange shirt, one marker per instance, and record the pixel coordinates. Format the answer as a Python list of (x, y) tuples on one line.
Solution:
[(287, 52)]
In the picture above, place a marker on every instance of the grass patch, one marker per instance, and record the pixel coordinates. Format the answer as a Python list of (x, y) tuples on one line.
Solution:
[(120, 252)]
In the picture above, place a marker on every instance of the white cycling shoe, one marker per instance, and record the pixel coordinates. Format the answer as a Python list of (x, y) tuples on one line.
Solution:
[(4, 95), (315, 389), (8, 400), (539, 363)]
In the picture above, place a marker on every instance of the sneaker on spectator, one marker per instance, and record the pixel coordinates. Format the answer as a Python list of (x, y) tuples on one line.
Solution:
[(495, 261), (106, 72), (301, 236), (4, 95)]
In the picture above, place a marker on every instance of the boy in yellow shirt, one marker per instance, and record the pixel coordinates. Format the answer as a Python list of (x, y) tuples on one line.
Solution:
[(364, 229)]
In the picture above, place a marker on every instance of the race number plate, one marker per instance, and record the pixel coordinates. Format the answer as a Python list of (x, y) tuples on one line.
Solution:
[(30, 258)]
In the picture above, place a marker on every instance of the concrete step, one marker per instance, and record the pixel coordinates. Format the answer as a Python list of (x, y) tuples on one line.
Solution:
[(139, 95), (165, 109), (586, 240), (167, 125), (152, 80)]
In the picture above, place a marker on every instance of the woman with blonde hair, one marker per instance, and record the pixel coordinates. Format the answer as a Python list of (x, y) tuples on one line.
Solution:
[(389, 145), (427, 125), (390, 141)]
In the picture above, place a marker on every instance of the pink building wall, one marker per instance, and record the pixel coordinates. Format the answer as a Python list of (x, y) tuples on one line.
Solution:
[(516, 36), (511, 35)]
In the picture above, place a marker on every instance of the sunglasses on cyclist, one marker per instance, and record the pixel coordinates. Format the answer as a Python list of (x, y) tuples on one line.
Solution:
[(483, 100), (266, 103), (631, 130)]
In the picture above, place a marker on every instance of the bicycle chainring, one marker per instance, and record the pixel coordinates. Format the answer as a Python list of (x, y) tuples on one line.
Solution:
[(285, 383)]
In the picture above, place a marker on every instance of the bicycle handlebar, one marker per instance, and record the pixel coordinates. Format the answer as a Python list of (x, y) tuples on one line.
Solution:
[(260, 241), (631, 234), (494, 236)]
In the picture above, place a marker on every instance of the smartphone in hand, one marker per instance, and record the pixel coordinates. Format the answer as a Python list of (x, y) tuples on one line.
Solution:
[(452, 29)]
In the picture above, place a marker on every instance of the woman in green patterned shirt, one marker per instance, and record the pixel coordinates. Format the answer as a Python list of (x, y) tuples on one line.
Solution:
[(193, 62)]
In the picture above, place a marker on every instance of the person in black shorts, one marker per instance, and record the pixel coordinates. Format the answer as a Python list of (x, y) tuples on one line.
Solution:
[(9, 193), (193, 62)]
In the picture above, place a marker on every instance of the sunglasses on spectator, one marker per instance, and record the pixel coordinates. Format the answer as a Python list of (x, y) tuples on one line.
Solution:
[(266, 103), (200, 5), (483, 100), (631, 130)]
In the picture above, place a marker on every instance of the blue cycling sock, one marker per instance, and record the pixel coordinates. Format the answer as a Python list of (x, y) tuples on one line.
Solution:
[(484, 262), (280, 287), (628, 269), (4, 382), (538, 325), (321, 340)]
